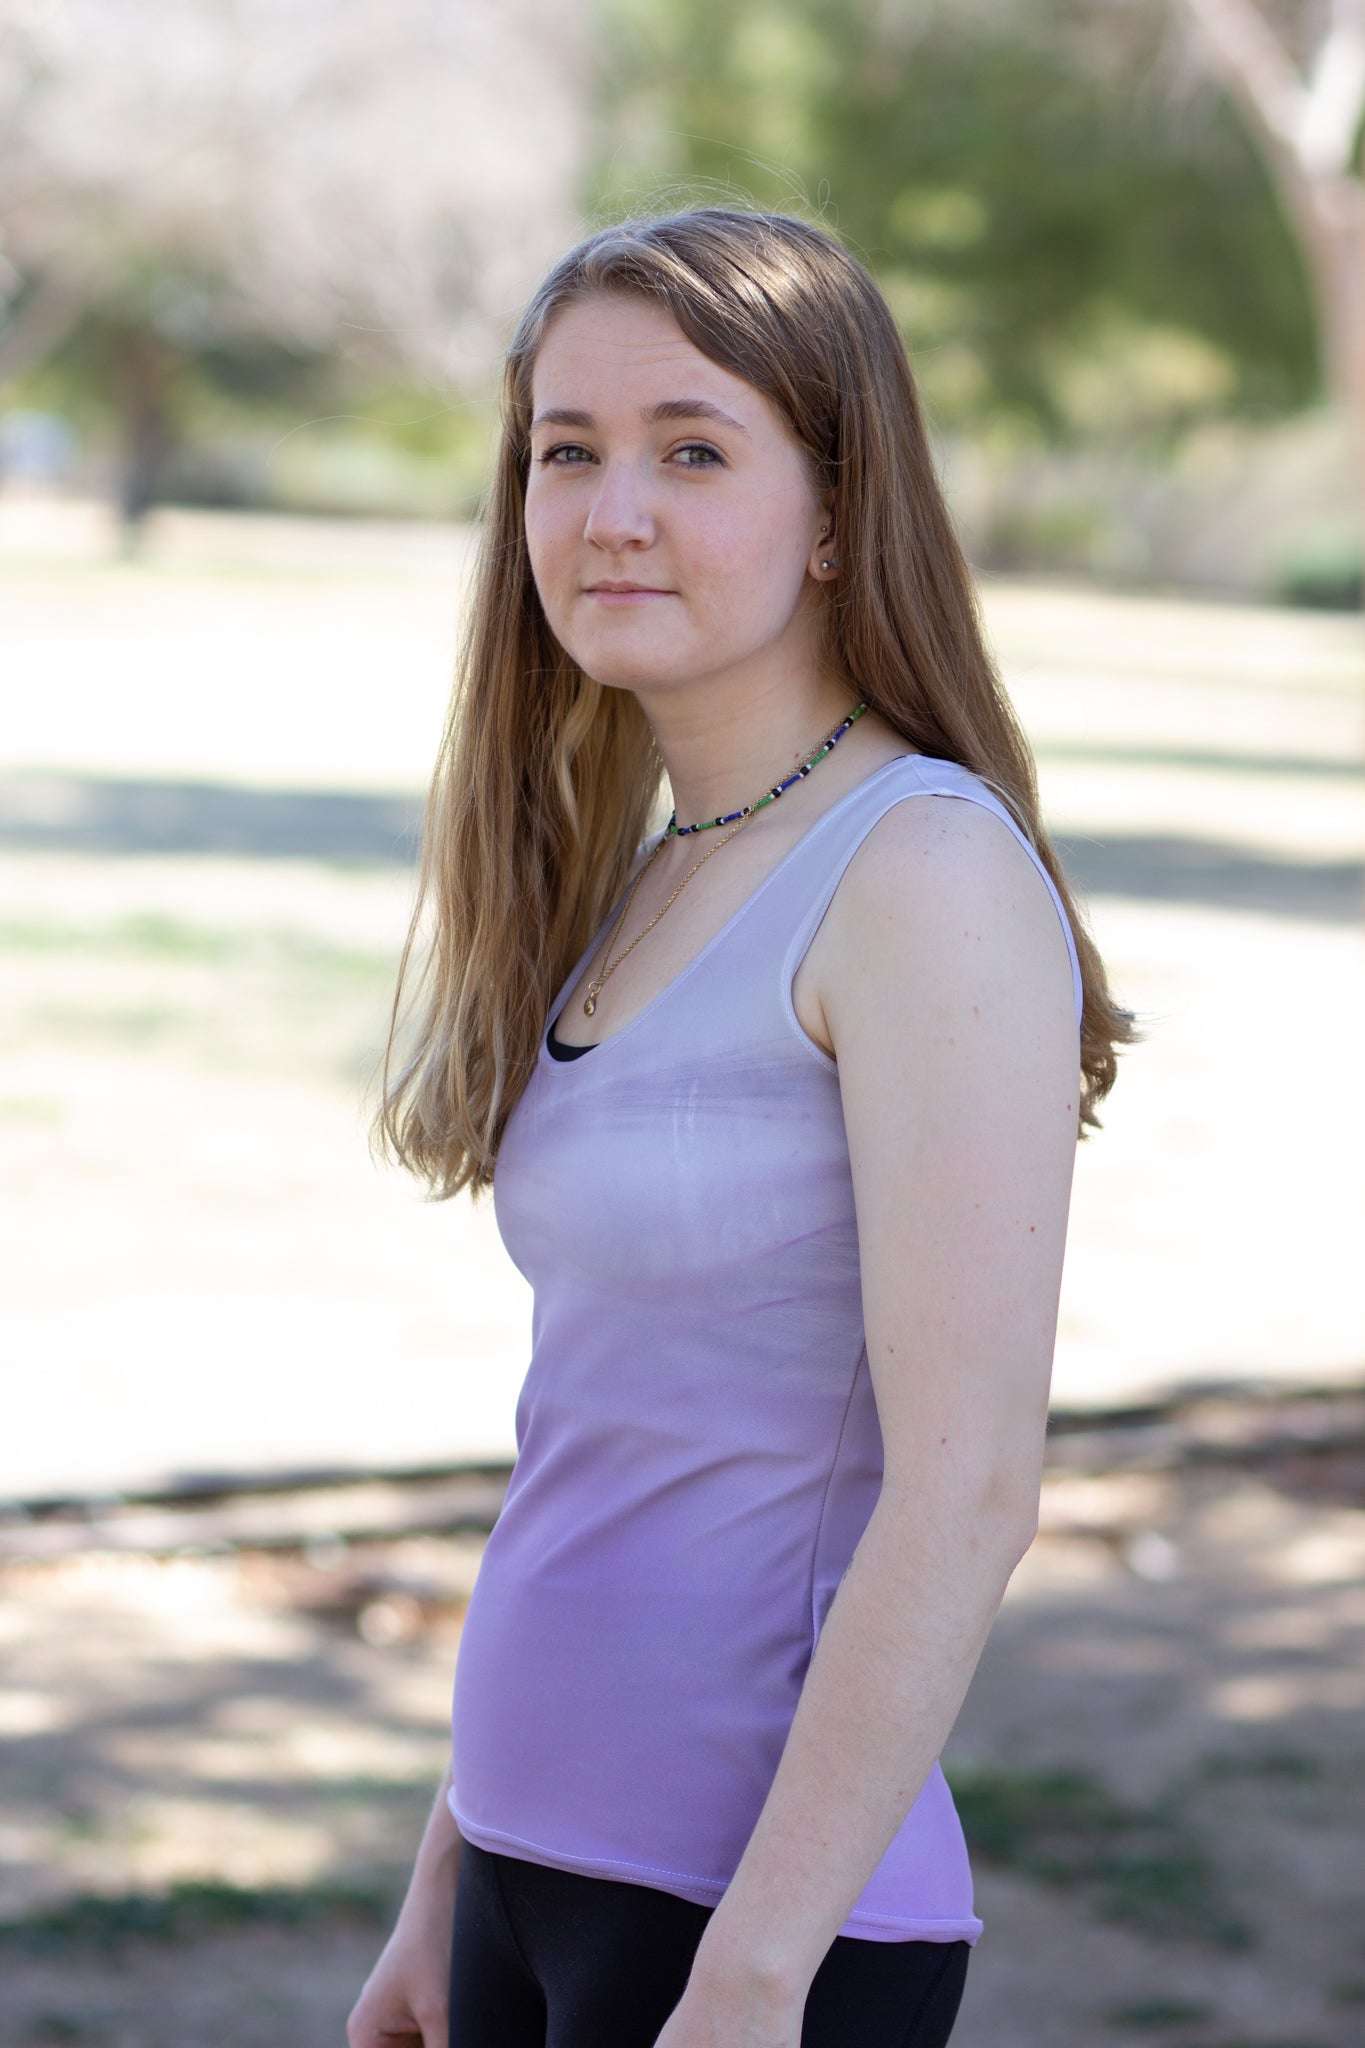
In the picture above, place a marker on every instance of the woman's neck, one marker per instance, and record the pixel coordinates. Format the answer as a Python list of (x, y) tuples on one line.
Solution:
[(721, 752)]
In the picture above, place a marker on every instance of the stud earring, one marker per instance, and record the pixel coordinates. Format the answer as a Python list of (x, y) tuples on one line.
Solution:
[(832, 563)]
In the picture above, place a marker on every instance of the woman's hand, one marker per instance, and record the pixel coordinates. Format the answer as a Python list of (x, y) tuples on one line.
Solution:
[(405, 2000), (691, 2028), (720, 2013)]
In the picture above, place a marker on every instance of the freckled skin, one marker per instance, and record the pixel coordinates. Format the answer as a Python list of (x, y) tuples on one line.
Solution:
[(719, 521)]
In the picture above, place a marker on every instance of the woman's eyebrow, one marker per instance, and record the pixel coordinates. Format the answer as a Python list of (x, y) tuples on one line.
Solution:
[(667, 409)]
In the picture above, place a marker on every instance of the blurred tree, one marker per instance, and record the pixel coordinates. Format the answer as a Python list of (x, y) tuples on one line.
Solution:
[(1309, 123), (379, 179), (1078, 242)]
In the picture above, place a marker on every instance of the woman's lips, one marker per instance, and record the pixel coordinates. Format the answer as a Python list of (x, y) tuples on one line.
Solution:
[(616, 595)]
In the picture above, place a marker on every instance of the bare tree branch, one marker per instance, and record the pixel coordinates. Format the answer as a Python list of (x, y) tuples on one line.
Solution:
[(1310, 131), (1252, 61), (1312, 124), (1330, 125), (384, 177)]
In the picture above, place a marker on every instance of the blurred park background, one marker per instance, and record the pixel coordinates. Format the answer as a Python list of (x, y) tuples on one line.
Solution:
[(256, 264)]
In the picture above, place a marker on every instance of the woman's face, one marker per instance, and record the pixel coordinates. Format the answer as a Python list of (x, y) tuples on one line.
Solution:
[(672, 527)]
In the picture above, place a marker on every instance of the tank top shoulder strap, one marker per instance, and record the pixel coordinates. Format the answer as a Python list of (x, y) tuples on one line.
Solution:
[(801, 887)]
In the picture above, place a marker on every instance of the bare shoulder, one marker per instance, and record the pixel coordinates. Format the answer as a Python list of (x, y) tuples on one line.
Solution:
[(963, 843), (939, 904)]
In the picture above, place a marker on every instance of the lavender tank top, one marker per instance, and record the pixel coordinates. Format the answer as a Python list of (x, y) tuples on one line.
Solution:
[(698, 1447)]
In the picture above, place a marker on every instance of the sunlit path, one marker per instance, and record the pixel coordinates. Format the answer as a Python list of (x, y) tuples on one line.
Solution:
[(208, 783)]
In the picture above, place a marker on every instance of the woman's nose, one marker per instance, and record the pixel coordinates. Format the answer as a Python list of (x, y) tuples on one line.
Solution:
[(619, 515)]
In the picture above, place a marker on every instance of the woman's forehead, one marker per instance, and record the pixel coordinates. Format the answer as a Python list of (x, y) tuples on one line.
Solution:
[(627, 348)]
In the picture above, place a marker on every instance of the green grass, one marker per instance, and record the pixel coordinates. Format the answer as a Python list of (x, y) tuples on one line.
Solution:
[(1282, 1766), (1160, 2012), (30, 1109), (151, 935), (190, 1911), (1142, 1867), (63, 2030)]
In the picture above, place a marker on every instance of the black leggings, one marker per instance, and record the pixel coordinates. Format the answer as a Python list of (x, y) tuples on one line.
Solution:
[(545, 1958)]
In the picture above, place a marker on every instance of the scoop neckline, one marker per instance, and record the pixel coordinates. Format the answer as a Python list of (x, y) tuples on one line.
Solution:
[(546, 1057)]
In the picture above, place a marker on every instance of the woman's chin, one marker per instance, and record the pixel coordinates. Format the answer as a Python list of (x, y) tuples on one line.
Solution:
[(616, 669)]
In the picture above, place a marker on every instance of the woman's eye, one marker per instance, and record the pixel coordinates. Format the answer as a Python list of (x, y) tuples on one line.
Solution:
[(566, 454), (570, 454)]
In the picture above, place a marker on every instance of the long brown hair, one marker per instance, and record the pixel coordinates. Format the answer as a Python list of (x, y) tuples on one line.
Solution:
[(546, 782)]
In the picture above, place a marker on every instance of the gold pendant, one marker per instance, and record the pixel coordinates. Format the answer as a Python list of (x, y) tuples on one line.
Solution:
[(591, 1003)]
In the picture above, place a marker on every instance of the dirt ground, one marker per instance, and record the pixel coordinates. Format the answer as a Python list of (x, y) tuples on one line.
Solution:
[(216, 1765), (1189, 1653)]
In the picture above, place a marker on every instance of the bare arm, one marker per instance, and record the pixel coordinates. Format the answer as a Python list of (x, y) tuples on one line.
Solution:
[(950, 1009), (406, 1994)]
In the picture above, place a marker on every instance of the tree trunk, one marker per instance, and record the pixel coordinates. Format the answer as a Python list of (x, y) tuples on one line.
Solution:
[(1308, 129), (1329, 217), (143, 366), (1342, 295)]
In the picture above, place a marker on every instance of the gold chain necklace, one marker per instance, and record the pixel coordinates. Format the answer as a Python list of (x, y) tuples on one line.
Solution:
[(595, 987), (609, 965)]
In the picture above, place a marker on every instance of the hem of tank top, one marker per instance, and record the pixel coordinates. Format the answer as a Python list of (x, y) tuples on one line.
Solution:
[(805, 934), (546, 1057), (713, 1887)]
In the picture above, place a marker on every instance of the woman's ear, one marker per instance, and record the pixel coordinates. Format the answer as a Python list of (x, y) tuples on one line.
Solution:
[(824, 561)]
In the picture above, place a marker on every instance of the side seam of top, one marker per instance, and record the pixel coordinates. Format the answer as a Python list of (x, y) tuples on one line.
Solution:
[(939, 779)]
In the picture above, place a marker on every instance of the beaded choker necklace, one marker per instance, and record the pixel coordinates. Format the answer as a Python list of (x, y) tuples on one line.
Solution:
[(674, 830)]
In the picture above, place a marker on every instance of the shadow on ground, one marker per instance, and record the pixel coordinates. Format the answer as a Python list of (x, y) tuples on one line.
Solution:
[(1159, 1765), (50, 812)]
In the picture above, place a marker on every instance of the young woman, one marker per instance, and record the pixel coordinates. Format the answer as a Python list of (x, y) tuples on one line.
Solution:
[(783, 1100)]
